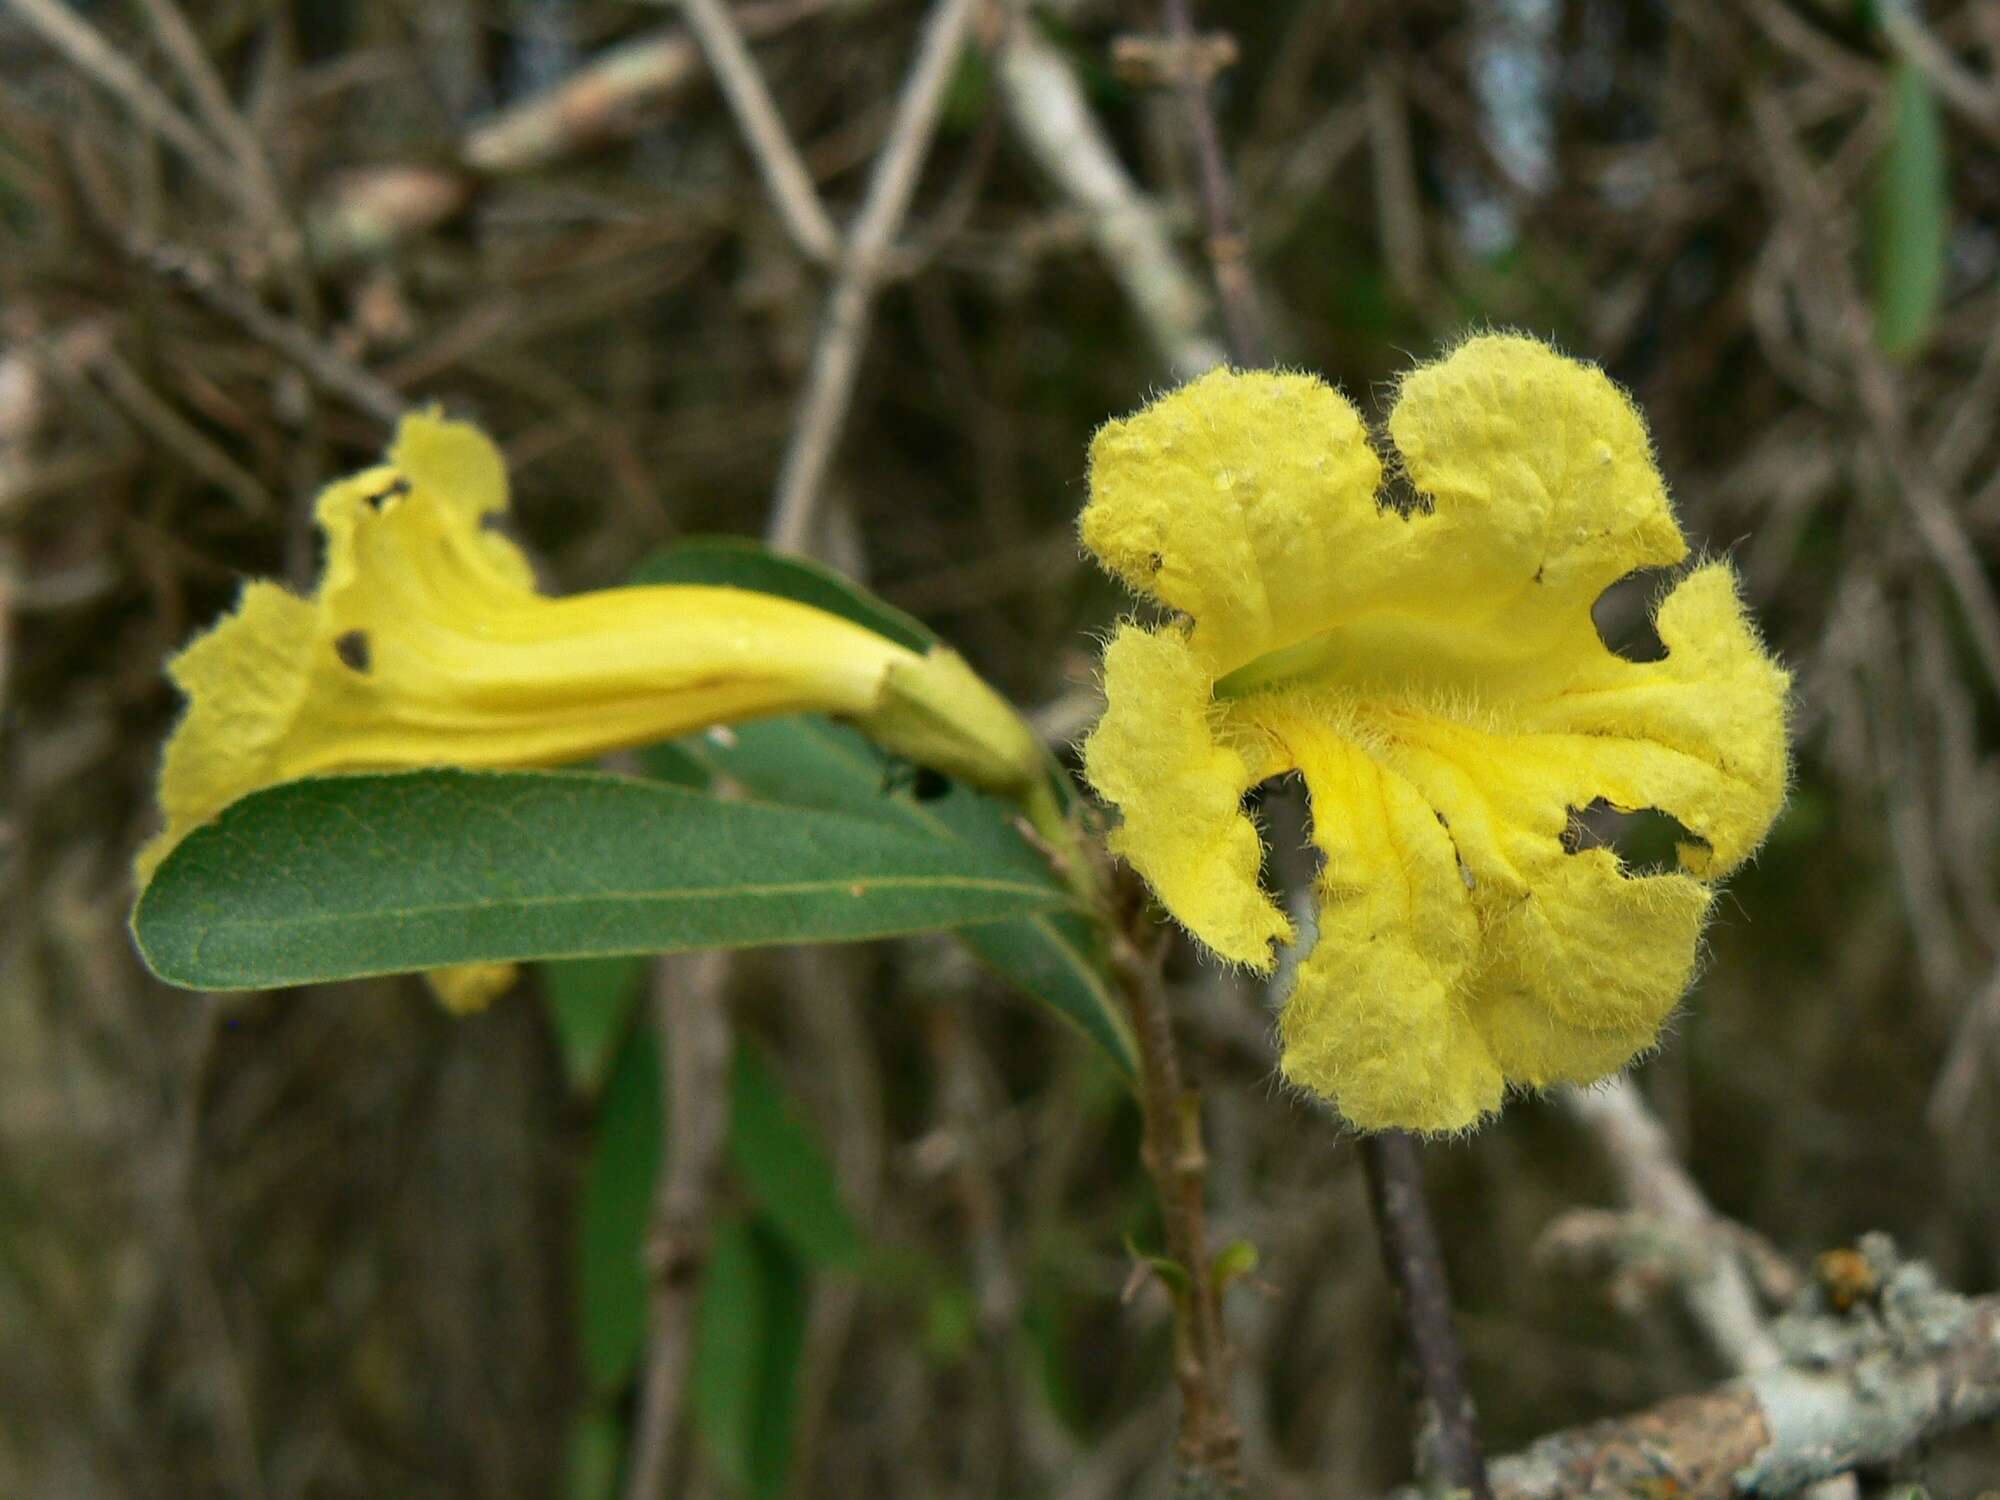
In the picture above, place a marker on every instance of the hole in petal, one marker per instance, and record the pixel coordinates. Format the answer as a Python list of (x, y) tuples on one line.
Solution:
[(353, 651), (1283, 814), (394, 490), (1623, 614), (1645, 840)]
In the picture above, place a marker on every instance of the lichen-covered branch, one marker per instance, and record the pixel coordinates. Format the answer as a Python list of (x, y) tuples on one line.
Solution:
[(1903, 1366)]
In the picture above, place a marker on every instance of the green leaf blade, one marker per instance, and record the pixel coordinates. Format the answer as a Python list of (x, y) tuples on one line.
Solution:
[(589, 1002), (749, 1335), (616, 1210), (1910, 222), (344, 876), (1050, 957), (778, 1159)]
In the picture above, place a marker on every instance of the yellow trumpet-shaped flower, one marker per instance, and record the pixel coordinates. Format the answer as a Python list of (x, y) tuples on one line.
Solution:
[(427, 644), (1433, 673)]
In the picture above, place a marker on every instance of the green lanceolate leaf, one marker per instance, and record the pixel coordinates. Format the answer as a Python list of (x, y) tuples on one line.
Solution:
[(1910, 220), (811, 761), (340, 876), (589, 1002), (749, 1333), (779, 1161), (617, 1208)]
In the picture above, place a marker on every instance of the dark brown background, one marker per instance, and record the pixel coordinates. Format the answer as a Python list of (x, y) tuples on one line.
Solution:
[(320, 1243)]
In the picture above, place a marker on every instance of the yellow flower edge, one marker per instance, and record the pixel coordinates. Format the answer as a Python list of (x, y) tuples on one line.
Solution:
[(427, 644), (1430, 669)]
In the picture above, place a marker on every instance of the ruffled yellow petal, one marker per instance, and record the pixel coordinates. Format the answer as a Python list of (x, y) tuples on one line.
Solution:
[(1713, 711), (1541, 481), (1246, 500), (1600, 948), (426, 644), (1180, 789), (1437, 678), (1377, 1020)]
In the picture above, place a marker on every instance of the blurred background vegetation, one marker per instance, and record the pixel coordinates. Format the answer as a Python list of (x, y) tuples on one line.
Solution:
[(334, 1242)]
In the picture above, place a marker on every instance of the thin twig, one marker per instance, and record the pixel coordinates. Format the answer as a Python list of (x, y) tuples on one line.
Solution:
[(257, 181), (324, 365), (174, 432), (843, 327), (1227, 245), (224, 120), (1048, 111), (1975, 98), (1653, 1181), (784, 170), (1931, 514), (1720, 1298), (1210, 1448), (691, 1020), (1449, 1453), (1399, 200), (97, 59)]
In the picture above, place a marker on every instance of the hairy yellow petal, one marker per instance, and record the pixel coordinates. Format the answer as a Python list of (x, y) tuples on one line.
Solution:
[(1713, 709), (1435, 674), (1377, 1021), (1538, 491), (1246, 500), (426, 644), (1154, 757), (1541, 480)]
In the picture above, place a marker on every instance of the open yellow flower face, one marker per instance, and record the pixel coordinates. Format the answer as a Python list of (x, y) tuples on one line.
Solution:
[(1436, 678), (428, 645)]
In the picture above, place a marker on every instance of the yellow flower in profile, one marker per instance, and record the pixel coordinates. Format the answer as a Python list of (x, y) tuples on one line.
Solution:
[(427, 644), (1433, 674)]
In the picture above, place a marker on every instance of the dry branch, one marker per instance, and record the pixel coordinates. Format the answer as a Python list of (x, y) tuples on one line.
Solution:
[(691, 1020), (1718, 1294), (318, 360), (1921, 1363), (1047, 109), (1209, 1453), (843, 330), (1449, 1452), (784, 170)]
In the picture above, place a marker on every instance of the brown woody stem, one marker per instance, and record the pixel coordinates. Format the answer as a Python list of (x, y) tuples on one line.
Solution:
[(1210, 1445), (1448, 1447)]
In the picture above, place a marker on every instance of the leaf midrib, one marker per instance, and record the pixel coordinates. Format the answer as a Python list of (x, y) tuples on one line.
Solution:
[(1051, 896)]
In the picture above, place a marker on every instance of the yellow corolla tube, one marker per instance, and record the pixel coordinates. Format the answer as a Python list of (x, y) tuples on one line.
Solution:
[(1432, 673), (427, 644)]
